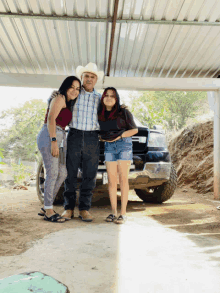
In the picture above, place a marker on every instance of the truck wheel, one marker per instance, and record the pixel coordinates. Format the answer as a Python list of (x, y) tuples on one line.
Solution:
[(160, 193), (40, 181), (59, 197), (40, 186)]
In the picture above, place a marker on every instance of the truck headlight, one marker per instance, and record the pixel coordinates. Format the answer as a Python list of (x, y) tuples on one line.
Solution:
[(157, 140)]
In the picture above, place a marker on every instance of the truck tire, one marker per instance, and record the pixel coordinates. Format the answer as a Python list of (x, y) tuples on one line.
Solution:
[(40, 186), (40, 181), (160, 193), (97, 196)]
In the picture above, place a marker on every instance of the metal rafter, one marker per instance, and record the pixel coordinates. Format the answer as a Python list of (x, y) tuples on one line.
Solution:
[(109, 19), (181, 48), (12, 45), (201, 45), (178, 34), (38, 36), (204, 55), (112, 36)]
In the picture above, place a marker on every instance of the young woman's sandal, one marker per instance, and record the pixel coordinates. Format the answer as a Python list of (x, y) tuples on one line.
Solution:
[(111, 218), (42, 214), (54, 218), (120, 220)]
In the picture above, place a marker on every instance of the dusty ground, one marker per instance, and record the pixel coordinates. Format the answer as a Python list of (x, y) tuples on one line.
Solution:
[(187, 212)]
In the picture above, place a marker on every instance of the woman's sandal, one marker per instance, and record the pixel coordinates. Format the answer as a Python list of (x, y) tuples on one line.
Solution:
[(42, 214), (54, 218), (120, 220), (111, 218)]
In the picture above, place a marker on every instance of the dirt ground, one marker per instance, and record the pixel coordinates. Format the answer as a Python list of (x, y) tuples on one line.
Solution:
[(187, 212)]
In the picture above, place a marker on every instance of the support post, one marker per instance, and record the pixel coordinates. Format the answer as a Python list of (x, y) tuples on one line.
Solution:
[(217, 145)]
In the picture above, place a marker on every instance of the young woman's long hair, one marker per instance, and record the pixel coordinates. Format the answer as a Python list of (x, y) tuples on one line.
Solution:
[(115, 109), (66, 84)]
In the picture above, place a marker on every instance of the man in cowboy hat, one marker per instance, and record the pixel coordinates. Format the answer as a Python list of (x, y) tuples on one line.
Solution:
[(83, 144)]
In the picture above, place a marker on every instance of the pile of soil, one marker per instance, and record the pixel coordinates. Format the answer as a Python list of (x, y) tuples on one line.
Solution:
[(192, 155)]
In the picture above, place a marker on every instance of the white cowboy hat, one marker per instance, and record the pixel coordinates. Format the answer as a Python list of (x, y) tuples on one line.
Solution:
[(90, 67)]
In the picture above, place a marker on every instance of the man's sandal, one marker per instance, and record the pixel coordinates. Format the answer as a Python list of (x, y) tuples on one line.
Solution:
[(54, 218), (111, 218)]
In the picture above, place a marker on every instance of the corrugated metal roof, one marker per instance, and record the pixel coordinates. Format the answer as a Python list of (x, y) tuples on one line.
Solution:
[(156, 38)]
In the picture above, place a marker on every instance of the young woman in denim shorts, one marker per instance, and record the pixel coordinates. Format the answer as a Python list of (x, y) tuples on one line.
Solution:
[(51, 138), (116, 128)]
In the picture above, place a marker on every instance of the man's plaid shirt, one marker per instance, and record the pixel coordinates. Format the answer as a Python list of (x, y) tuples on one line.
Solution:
[(85, 111)]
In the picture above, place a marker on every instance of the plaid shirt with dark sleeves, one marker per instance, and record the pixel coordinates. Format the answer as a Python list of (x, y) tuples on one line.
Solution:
[(85, 111)]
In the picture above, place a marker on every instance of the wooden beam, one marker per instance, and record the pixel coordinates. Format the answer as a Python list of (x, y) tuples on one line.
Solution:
[(112, 36)]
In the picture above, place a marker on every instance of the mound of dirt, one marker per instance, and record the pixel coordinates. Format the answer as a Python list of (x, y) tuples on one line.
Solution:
[(192, 155)]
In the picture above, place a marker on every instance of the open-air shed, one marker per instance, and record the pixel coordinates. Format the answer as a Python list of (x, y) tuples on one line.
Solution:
[(140, 45)]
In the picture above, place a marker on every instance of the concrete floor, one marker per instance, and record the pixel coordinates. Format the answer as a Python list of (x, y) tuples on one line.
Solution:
[(139, 256)]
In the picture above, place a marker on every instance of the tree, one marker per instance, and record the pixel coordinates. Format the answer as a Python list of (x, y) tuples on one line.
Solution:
[(1, 157), (169, 109), (19, 138)]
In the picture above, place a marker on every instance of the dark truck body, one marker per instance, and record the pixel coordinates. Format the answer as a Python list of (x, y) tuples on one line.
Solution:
[(152, 174)]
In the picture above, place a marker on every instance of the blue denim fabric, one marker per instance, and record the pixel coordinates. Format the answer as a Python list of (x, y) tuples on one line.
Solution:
[(119, 150)]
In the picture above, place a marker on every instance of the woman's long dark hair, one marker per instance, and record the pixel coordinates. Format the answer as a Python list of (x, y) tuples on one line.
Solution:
[(115, 109), (66, 84)]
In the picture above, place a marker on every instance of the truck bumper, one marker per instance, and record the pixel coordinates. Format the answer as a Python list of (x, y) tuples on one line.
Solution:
[(153, 174)]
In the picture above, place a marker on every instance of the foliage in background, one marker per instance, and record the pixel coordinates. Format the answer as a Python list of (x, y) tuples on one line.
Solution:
[(1, 156), (20, 128), (20, 172), (171, 110)]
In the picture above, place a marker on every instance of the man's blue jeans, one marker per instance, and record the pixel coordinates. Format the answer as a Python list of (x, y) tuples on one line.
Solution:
[(82, 151)]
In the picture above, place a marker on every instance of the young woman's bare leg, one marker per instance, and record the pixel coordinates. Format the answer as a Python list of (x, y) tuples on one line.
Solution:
[(123, 169), (112, 184)]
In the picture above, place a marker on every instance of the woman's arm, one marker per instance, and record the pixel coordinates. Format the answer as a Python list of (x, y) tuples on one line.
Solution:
[(55, 107), (127, 133), (130, 132)]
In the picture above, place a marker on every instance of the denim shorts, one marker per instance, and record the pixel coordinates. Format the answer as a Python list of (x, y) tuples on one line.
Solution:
[(119, 150)]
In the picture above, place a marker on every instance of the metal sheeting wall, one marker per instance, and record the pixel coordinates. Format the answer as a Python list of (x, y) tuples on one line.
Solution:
[(152, 37)]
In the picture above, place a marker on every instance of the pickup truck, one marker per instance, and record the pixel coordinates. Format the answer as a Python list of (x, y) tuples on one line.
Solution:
[(152, 174)]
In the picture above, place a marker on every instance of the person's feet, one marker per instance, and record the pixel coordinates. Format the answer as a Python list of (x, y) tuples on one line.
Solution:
[(52, 216), (85, 216), (68, 214), (120, 220), (111, 218)]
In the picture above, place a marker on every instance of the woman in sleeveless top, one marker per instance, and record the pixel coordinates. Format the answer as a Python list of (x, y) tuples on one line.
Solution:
[(52, 139), (116, 128)]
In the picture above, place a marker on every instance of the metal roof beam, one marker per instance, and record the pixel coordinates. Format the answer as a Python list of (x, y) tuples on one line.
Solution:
[(112, 36), (121, 83), (108, 19)]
